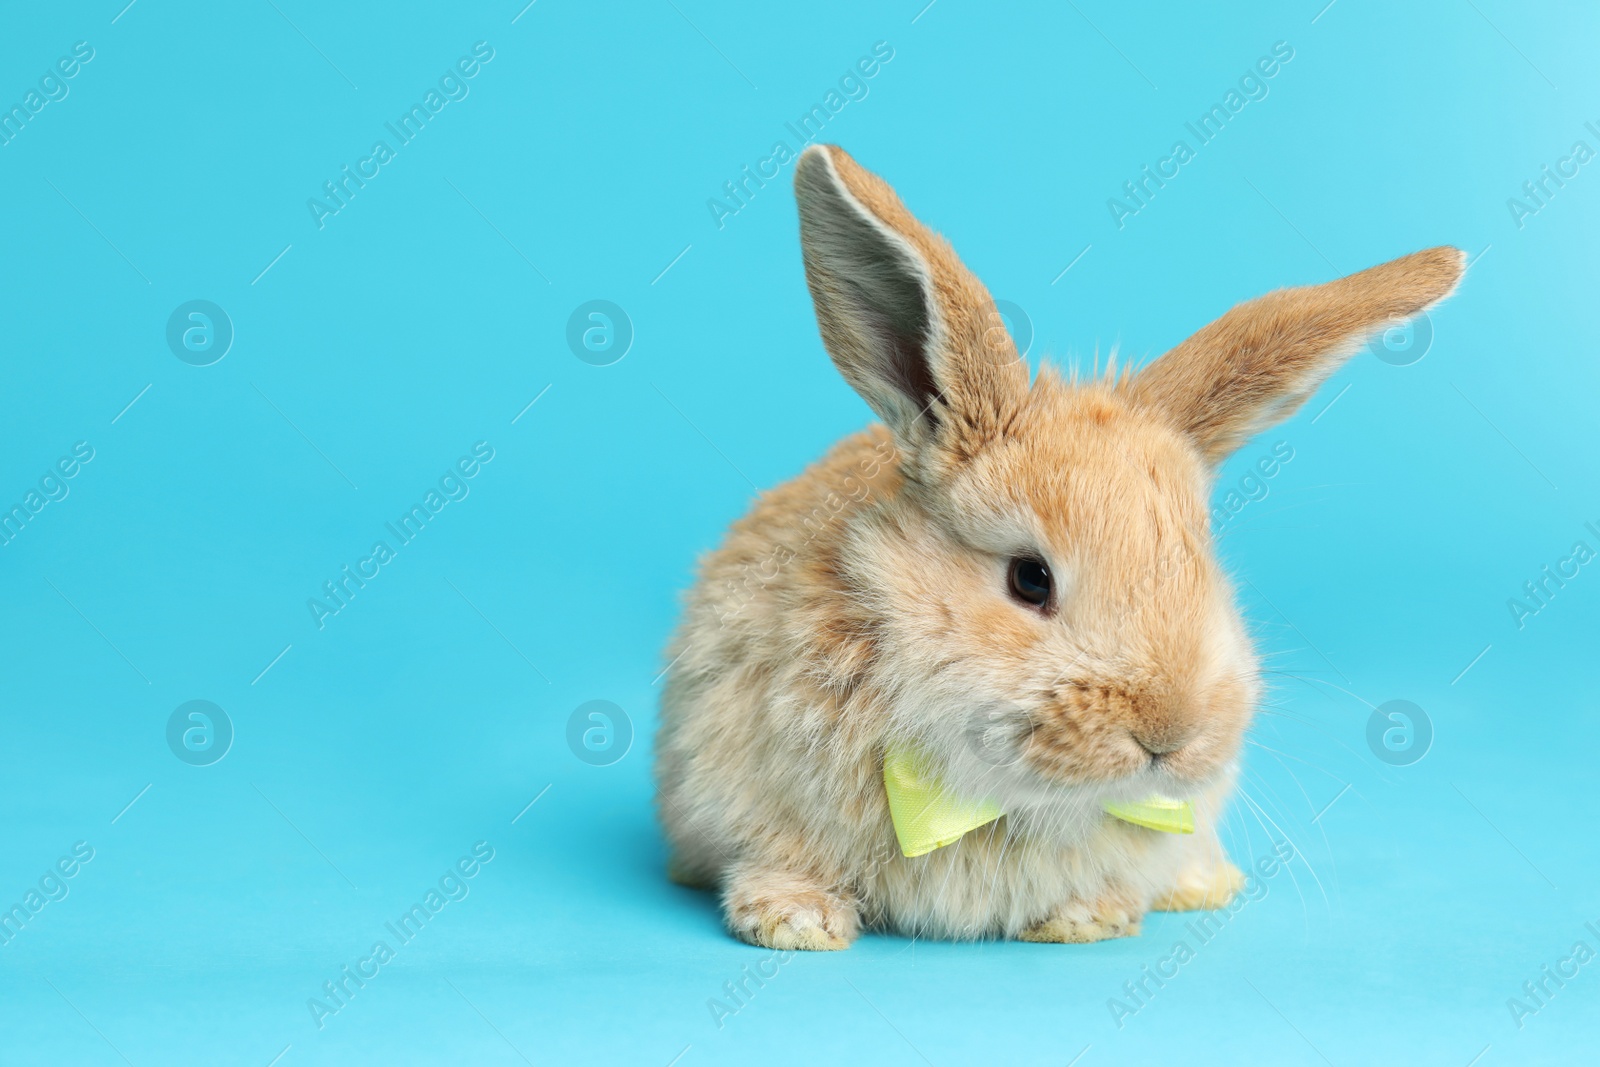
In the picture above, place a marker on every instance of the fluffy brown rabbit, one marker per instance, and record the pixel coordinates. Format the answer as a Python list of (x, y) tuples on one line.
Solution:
[(1017, 580)]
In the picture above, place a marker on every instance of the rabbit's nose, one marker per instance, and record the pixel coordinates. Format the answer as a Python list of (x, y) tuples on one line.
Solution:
[(1160, 742), (1160, 726)]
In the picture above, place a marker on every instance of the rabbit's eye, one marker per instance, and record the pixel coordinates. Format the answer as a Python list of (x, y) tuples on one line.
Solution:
[(1030, 581)]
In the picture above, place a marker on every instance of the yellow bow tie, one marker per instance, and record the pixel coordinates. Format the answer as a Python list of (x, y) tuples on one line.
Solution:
[(926, 817)]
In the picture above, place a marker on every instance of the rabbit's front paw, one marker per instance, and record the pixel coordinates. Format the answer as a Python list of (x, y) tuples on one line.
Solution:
[(1078, 923), (786, 912), (1202, 888)]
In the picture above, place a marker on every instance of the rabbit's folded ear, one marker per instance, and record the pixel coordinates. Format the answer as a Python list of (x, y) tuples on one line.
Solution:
[(906, 323), (1258, 363)]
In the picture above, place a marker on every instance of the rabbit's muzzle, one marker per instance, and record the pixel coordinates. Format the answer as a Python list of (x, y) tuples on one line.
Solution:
[(1091, 731)]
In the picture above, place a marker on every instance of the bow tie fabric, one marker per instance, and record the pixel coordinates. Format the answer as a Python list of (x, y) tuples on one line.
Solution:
[(927, 817)]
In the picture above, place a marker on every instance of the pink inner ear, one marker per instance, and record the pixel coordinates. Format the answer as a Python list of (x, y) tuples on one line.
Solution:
[(905, 322), (871, 297)]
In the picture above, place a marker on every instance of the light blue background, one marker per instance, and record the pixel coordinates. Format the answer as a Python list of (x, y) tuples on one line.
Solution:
[(431, 310)]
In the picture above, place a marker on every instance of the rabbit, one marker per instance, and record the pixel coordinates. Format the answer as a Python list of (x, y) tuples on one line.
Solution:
[(1016, 578)]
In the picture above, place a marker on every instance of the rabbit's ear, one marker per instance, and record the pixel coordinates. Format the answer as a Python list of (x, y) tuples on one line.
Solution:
[(1258, 363), (906, 323)]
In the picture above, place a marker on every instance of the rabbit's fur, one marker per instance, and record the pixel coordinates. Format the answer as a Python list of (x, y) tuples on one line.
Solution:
[(866, 604)]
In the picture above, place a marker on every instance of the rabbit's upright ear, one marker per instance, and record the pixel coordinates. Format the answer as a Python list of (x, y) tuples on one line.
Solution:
[(906, 323), (1258, 363)]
